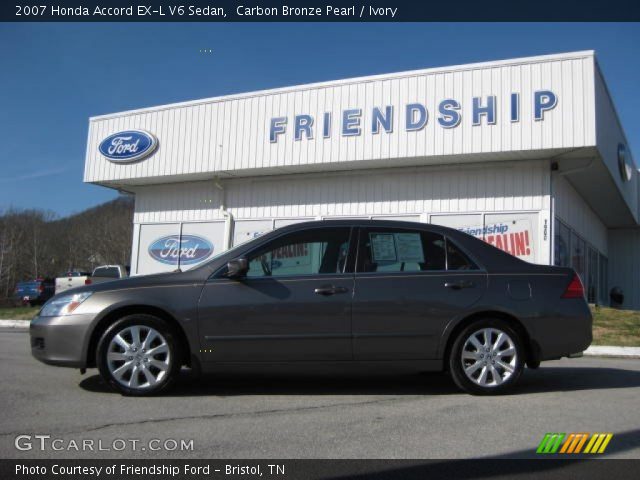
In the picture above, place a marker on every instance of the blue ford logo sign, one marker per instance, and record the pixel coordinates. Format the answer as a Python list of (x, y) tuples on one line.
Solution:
[(192, 249), (128, 146)]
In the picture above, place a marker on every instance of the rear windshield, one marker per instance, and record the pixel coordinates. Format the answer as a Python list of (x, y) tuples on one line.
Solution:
[(107, 272), (28, 285)]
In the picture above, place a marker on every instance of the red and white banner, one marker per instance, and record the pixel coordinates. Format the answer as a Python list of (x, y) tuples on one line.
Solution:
[(514, 237)]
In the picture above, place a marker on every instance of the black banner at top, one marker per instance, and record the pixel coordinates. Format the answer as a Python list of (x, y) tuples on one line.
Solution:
[(318, 11)]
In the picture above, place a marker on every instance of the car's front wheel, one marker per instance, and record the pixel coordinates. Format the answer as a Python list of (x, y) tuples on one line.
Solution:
[(487, 357), (139, 355)]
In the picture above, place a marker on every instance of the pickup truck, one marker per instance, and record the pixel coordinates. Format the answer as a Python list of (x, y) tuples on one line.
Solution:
[(34, 292), (103, 273)]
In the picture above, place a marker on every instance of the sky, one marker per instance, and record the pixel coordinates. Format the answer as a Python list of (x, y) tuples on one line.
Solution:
[(53, 77)]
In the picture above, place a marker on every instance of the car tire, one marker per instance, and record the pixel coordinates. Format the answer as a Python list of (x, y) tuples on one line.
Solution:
[(533, 364), (487, 357), (139, 355)]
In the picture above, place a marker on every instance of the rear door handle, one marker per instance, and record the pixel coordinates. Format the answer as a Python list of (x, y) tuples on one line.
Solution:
[(327, 290), (460, 285)]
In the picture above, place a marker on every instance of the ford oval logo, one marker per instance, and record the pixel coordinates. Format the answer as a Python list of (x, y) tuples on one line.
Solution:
[(192, 249), (128, 146)]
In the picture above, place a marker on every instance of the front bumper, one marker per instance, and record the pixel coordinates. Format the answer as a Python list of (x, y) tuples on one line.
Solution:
[(61, 340)]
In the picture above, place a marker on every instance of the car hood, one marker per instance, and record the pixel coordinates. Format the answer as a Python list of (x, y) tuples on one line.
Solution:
[(138, 281)]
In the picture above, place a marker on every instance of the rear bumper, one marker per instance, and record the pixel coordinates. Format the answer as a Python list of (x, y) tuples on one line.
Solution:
[(566, 334), (33, 299), (62, 340)]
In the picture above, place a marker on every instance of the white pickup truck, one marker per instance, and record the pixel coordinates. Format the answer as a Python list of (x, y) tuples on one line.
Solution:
[(103, 273)]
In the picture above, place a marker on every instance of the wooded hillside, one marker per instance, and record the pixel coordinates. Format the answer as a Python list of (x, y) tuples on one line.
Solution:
[(34, 243)]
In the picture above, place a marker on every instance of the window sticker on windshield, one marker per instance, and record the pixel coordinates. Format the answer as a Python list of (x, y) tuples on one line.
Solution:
[(383, 247), (409, 247)]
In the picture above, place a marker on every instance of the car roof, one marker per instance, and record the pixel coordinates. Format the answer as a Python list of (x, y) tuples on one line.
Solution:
[(366, 222)]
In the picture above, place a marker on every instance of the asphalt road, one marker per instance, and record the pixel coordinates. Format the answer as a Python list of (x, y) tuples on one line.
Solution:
[(299, 415)]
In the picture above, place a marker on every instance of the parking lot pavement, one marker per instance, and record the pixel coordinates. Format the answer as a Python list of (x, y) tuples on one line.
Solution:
[(300, 415)]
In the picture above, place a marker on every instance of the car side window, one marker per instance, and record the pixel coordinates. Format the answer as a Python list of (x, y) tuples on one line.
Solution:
[(457, 259), (310, 252), (400, 250)]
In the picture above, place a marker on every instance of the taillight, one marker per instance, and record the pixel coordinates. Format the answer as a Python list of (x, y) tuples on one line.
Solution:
[(575, 288), (41, 288), (87, 281)]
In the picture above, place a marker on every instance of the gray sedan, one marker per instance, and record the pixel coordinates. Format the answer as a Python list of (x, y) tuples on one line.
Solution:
[(410, 295)]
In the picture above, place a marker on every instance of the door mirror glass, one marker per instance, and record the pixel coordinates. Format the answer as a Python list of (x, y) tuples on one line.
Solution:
[(237, 268)]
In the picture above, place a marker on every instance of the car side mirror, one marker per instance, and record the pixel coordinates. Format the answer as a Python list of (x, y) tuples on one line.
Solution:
[(237, 268)]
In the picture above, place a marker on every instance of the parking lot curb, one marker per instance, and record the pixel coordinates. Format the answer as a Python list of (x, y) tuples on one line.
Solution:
[(19, 324), (608, 351)]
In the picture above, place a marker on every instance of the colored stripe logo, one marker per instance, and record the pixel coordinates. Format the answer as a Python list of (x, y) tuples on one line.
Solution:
[(574, 443)]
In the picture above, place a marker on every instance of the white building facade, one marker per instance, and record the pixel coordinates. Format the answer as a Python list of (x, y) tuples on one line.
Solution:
[(527, 154)]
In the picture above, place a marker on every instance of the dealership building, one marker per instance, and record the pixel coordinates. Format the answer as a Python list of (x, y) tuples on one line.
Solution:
[(527, 154)]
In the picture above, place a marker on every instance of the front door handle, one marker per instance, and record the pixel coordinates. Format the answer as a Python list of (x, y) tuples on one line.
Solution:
[(327, 290), (460, 285)]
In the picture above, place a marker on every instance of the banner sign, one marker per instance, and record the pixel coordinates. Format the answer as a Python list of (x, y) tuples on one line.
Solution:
[(514, 237)]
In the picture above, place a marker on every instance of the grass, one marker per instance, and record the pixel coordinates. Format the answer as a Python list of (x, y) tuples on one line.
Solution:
[(610, 326), (616, 327), (18, 313)]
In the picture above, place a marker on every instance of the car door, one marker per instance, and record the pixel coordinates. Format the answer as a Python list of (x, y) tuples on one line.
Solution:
[(404, 293), (293, 305)]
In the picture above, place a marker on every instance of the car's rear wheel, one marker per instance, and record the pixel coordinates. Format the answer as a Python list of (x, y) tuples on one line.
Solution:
[(487, 357), (139, 355)]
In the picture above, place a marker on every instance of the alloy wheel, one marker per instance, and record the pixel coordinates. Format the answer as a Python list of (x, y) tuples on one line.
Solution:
[(138, 357), (489, 357)]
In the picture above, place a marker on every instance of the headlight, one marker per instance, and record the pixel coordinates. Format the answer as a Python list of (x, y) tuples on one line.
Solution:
[(63, 305)]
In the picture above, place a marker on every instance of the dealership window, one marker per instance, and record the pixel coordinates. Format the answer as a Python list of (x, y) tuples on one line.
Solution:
[(562, 244), (571, 250), (592, 275), (604, 280), (578, 255), (401, 250), (311, 252)]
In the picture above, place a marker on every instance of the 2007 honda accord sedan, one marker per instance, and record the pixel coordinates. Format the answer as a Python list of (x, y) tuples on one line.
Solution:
[(350, 291)]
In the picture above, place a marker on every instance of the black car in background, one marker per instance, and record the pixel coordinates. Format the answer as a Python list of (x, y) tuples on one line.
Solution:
[(34, 292), (371, 292)]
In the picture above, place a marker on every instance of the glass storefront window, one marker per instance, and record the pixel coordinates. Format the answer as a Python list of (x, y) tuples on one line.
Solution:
[(578, 257), (604, 281), (571, 250), (592, 276), (562, 237)]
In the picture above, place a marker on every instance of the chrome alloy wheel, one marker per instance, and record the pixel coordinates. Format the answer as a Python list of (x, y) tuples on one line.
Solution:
[(138, 357), (489, 357)]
